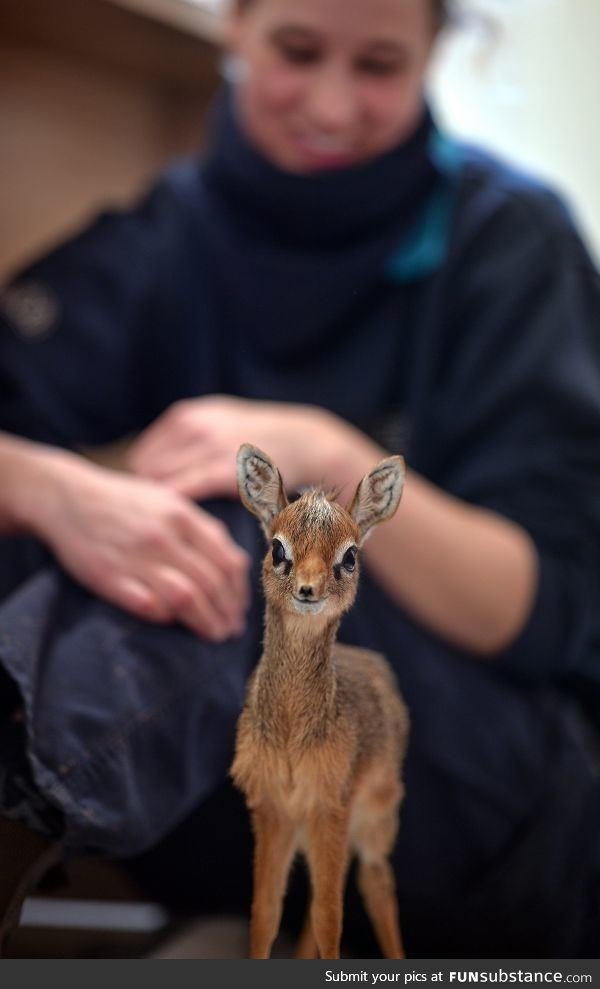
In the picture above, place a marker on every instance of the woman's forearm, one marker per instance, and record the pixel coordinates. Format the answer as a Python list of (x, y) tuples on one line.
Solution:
[(468, 574), (26, 472)]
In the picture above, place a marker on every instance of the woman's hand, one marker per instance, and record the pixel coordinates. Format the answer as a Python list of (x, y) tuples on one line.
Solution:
[(137, 544), (192, 447)]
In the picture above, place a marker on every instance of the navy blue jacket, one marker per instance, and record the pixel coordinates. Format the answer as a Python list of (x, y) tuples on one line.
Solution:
[(475, 352)]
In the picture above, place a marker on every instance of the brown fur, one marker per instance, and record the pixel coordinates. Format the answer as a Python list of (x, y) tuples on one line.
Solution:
[(320, 741)]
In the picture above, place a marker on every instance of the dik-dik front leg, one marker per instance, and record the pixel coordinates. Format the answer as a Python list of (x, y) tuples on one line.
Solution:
[(328, 862), (274, 847)]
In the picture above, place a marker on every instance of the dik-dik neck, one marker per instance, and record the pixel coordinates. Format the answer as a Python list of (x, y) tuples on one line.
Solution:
[(296, 682)]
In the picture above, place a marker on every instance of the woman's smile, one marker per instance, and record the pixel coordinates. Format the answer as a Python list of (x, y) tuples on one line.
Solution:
[(321, 152)]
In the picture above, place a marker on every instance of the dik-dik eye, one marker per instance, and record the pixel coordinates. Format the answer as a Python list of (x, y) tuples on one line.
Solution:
[(278, 553), (349, 559)]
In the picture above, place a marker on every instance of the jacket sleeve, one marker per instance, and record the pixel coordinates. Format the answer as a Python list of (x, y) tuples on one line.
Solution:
[(71, 330), (518, 415)]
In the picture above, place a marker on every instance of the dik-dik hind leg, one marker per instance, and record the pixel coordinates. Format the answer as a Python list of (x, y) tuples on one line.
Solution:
[(274, 846), (378, 888), (376, 882), (328, 862)]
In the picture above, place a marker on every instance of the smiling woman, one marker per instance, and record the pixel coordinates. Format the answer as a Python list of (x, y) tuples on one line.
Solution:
[(331, 85)]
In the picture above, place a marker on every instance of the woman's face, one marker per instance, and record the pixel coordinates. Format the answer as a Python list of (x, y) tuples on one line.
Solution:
[(330, 83)]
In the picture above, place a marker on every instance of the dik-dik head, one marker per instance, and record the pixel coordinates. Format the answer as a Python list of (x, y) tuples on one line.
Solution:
[(312, 566)]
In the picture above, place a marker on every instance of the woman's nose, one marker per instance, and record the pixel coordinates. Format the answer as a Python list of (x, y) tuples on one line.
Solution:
[(332, 105)]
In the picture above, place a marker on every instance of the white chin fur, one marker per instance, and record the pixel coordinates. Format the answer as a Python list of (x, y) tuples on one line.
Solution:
[(308, 609)]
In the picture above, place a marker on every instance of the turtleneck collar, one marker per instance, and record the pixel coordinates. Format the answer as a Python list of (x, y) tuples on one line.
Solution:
[(324, 210), (300, 265)]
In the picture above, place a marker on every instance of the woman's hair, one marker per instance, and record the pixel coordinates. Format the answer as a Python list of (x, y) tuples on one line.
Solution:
[(444, 10)]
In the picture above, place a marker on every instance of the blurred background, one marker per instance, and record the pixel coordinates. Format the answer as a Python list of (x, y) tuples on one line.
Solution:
[(97, 95), (522, 80)]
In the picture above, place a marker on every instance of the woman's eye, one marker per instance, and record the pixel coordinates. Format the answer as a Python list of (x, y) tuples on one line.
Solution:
[(299, 56), (278, 553), (391, 63), (349, 559), (373, 67)]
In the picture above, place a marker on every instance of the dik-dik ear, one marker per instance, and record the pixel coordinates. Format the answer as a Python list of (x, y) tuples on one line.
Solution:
[(260, 485), (378, 495)]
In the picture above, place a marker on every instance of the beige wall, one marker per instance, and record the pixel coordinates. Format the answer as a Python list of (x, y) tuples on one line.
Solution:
[(84, 126), (531, 92), (57, 116)]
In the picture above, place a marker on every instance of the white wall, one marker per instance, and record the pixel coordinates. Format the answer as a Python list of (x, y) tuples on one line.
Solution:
[(530, 89)]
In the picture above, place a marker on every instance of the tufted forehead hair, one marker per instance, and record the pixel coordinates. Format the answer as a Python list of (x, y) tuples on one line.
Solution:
[(315, 523)]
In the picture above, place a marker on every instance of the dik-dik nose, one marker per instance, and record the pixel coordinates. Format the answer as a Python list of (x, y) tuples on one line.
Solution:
[(310, 583)]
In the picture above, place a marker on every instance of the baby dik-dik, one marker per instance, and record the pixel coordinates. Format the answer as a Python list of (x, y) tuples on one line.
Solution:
[(322, 736)]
